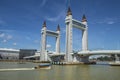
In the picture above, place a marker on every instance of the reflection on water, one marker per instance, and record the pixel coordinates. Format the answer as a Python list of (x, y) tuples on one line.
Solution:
[(76, 72)]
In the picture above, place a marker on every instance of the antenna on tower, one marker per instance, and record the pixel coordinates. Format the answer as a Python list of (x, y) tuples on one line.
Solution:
[(67, 4), (84, 9)]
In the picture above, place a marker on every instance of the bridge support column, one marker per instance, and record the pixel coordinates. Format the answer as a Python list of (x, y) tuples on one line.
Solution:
[(117, 58), (58, 41), (81, 58), (75, 58), (68, 22), (85, 40), (84, 59), (43, 53), (84, 34)]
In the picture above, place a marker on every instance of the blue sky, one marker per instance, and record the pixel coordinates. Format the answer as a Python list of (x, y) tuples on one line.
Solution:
[(21, 22)]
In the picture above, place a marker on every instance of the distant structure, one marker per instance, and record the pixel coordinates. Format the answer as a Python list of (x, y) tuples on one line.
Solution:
[(9, 54), (45, 33), (15, 54), (26, 52)]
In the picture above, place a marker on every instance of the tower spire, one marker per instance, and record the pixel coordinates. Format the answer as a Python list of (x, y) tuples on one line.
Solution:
[(44, 24), (84, 18), (69, 12), (58, 28)]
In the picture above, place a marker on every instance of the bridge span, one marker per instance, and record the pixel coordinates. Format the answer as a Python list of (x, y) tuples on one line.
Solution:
[(99, 52), (88, 53)]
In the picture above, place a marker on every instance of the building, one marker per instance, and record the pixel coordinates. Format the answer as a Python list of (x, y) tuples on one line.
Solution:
[(26, 52), (9, 54)]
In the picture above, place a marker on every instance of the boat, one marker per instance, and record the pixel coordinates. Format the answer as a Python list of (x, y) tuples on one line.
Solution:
[(43, 66), (21, 62), (116, 63)]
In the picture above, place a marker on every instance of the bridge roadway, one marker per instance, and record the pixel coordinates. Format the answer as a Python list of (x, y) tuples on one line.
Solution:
[(94, 52)]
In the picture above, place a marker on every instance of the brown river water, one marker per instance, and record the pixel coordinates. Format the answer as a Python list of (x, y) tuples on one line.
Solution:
[(57, 72)]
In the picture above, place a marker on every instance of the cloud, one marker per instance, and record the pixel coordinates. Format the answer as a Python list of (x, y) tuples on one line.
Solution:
[(5, 37), (43, 3), (36, 41), (5, 34), (8, 37), (2, 35), (14, 44), (106, 22), (4, 41), (110, 22), (28, 38), (6, 30), (58, 17), (48, 46), (2, 22)]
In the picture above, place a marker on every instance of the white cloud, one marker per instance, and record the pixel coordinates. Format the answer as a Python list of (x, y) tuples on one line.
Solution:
[(14, 44), (2, 22), (36, 41), (5, 37), (53, 18), (48, 46), (6, 30), (43, 3), (106, 21), (28, 38), (58, 17), (110, 22), (4, 41), (8, 37), (2, 35)]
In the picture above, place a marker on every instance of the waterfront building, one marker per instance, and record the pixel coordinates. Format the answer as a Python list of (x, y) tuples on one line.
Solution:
[(26, 52)]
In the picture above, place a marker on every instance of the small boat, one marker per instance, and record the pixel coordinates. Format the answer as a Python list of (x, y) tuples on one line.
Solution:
[(43, 66), (116, 63), (21, 62)]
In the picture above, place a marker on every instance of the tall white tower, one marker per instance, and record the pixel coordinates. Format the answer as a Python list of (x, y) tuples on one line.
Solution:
[(68, 22), (58, 40), (45, 33), (43, 52), (84, 34)]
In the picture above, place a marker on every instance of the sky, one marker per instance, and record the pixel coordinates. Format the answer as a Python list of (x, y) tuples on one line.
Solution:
[(21, 23)]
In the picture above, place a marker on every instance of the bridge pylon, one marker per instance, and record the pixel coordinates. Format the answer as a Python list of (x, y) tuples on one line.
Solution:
[(81, 25), (44, 54)]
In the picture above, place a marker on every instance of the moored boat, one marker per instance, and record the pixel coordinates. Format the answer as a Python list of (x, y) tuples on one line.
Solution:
[(116, 63), (43, 66), (21, 62)]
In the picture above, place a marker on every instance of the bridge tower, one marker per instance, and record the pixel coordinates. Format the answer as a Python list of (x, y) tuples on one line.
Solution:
[(84, 34), (45, 33), (58, 40), (70, 23), (43, 54)]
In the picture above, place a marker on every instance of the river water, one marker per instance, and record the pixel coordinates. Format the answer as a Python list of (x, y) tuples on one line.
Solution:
[(73, 72)]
